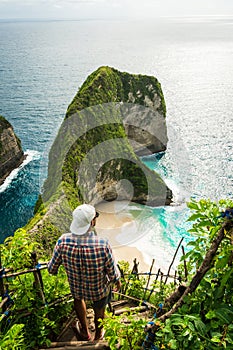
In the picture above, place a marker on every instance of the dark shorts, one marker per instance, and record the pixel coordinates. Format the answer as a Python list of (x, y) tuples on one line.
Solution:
[(100, 304)]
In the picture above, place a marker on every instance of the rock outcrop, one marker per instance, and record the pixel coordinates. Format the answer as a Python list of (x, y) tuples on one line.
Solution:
[(114, 117), (107, 84), (11, 153)]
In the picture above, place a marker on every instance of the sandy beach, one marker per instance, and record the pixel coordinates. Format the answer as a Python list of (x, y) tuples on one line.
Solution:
[(116, 224), (134, 232)]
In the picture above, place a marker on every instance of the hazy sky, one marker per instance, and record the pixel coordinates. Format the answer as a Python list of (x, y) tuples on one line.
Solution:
[(112, 8)]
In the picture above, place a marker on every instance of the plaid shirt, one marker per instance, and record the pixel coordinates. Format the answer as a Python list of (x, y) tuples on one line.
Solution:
[(89, 264)]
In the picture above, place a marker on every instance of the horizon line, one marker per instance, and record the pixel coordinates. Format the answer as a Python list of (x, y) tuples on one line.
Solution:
[(111, 18)]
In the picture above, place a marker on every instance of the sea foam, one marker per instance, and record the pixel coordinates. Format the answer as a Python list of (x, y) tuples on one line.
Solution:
[(30, 155)]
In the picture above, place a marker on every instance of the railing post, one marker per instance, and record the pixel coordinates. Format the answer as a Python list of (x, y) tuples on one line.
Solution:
[(173, 260), (38, 278), (185, 265), (148, 280)]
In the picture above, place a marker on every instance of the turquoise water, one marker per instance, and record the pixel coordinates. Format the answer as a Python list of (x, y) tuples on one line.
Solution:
[(44, 63)]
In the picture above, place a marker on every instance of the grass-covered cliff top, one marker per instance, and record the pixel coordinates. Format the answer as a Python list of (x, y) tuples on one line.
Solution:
[(107, 84)]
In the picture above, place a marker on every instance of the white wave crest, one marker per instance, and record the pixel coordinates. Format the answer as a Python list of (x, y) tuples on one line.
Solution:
[(30, 155), (180, 195)]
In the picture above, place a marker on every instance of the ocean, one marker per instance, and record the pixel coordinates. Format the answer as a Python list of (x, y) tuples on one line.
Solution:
[(42, 65)]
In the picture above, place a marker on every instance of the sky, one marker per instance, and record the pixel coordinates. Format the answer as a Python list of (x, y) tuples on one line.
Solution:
[(110, 9)]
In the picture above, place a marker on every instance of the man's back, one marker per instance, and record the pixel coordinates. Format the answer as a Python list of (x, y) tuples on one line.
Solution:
[(88, 262)]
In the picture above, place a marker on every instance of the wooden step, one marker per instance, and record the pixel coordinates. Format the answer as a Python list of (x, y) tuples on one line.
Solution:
[(130, 309), (118, 303), (86, 345)]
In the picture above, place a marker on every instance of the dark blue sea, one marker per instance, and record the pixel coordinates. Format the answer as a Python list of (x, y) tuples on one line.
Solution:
[(43, 63)]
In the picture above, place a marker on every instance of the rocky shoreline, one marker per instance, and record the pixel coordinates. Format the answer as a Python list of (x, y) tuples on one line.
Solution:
[(11, 153)]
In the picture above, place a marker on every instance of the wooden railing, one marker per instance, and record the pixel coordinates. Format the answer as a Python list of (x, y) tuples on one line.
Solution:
[(7, 296)]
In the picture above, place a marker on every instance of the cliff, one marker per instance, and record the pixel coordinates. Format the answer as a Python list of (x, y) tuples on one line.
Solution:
[(107, 84), (113, 117), (11, 153)]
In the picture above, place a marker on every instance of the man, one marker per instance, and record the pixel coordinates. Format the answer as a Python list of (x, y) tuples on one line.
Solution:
[(90, 267)]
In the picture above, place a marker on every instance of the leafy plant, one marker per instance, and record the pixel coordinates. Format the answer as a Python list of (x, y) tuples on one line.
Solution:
[(205, 317), (16, 250), (202, 321), (132, 284), (125, 331), (27, 306), (13, 339)]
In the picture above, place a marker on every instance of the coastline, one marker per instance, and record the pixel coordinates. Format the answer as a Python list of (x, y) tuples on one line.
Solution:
[(28, 156), (8, 172)]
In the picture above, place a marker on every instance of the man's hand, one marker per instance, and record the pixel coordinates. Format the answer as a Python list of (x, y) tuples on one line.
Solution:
[(117, 286)]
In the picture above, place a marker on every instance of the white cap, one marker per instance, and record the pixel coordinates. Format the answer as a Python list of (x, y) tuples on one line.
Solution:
[(82, 217)]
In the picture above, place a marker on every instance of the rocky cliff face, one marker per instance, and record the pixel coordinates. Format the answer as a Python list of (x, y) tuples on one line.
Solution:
[(11, 153)]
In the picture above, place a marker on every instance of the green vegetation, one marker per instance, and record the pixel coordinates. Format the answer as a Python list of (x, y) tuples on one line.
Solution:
[(14, 338), (89, 125), (31, 320), (107, 84), (203, 320), (125, 331)]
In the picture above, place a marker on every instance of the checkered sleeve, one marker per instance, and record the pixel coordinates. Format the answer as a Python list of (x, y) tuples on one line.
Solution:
[(56, 260), (112, 270)]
